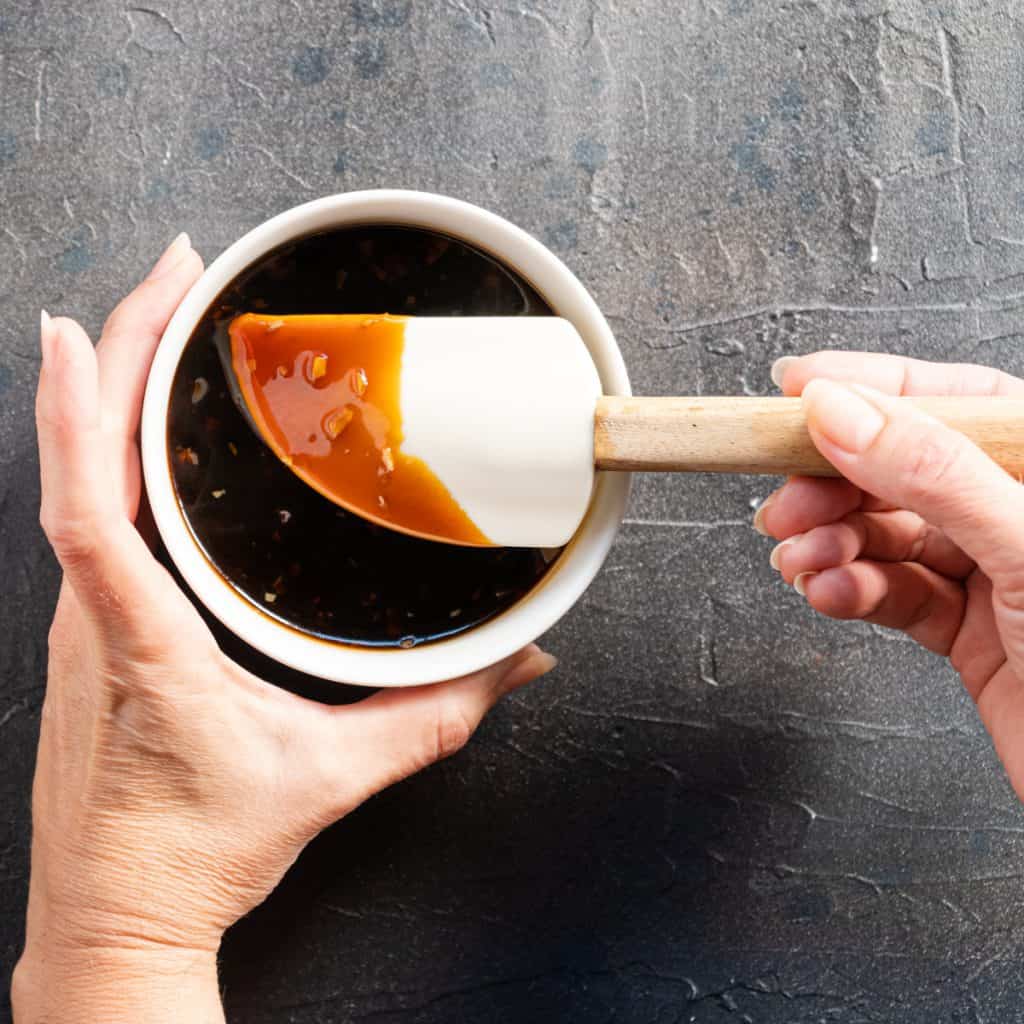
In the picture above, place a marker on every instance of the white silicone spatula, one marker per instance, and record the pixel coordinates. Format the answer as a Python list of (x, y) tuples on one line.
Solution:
[(489, 431)]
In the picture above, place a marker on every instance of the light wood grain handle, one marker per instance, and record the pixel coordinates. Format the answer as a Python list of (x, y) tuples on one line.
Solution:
[(768, 435)]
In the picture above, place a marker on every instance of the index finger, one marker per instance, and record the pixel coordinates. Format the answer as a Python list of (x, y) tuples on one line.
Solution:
[(106, 562), (894, 375)]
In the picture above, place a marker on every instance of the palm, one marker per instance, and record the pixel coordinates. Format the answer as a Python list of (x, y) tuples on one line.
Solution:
[(148, 729)]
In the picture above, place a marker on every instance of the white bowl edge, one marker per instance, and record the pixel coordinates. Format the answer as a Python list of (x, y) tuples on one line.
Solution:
[(466, 652)]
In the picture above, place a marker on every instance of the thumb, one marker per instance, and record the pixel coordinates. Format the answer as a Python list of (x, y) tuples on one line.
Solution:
[(893, 450)]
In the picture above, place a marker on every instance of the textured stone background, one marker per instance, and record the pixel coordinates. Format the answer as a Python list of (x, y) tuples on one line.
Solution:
[(720, 808)]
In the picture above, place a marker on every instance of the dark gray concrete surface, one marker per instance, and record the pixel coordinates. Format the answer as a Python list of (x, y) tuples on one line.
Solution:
[(720, 808)]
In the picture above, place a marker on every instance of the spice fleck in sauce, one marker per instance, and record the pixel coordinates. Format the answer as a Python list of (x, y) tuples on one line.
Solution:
[(324, 391), (291, 552)]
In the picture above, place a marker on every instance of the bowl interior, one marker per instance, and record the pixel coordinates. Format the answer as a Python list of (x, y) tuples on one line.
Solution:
[(441, 659)]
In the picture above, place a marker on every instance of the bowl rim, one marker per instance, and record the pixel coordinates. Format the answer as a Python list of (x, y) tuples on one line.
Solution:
[(483, 645)]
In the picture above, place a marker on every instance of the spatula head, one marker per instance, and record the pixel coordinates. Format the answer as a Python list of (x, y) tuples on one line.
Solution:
[(475, 430)]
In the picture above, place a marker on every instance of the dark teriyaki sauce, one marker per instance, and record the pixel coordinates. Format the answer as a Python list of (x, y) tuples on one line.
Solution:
[(291, 552)]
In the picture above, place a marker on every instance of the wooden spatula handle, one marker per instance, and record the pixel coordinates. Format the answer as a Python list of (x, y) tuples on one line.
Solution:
[(768, 435)]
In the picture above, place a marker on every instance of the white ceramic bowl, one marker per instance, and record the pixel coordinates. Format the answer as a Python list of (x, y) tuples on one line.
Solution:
[(538, 610)]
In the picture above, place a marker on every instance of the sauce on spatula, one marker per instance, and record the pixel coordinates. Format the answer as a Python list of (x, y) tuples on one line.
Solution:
[(325, 394)]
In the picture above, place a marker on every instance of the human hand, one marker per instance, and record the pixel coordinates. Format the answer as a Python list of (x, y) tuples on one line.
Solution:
[(925, 534), (173, 788)]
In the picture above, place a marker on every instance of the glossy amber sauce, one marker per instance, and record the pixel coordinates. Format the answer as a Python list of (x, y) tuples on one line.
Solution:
[(324, 391)]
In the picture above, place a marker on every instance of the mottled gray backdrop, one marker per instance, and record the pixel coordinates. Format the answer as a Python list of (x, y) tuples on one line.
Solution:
[(720, 808)]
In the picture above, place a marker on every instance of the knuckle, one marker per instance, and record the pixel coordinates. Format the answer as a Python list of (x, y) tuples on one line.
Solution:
[(51, 418), (1006, 384), (57, 638), (917, 541), (930, 463), (452, 730), (993, 381), (836, 543), (73, 541), (977, 379), (139, 312), (1008, 594), (121, 316), (61, 420)]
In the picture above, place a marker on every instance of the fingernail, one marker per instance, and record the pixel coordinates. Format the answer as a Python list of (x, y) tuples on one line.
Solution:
[(773, 558), (759, 516), (548, 663), (800, 583), (46, 336), (173, 255), (526, 670), (779, 368), (843, 414)]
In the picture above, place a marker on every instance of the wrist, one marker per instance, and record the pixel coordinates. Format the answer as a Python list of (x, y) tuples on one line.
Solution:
[(102, 984)]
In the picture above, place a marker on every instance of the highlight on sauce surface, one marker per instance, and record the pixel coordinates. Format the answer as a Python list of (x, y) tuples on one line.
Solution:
[(324, 392), (294, 554)]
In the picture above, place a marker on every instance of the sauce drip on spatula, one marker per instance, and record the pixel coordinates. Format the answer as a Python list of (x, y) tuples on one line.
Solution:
[(325, 394)]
